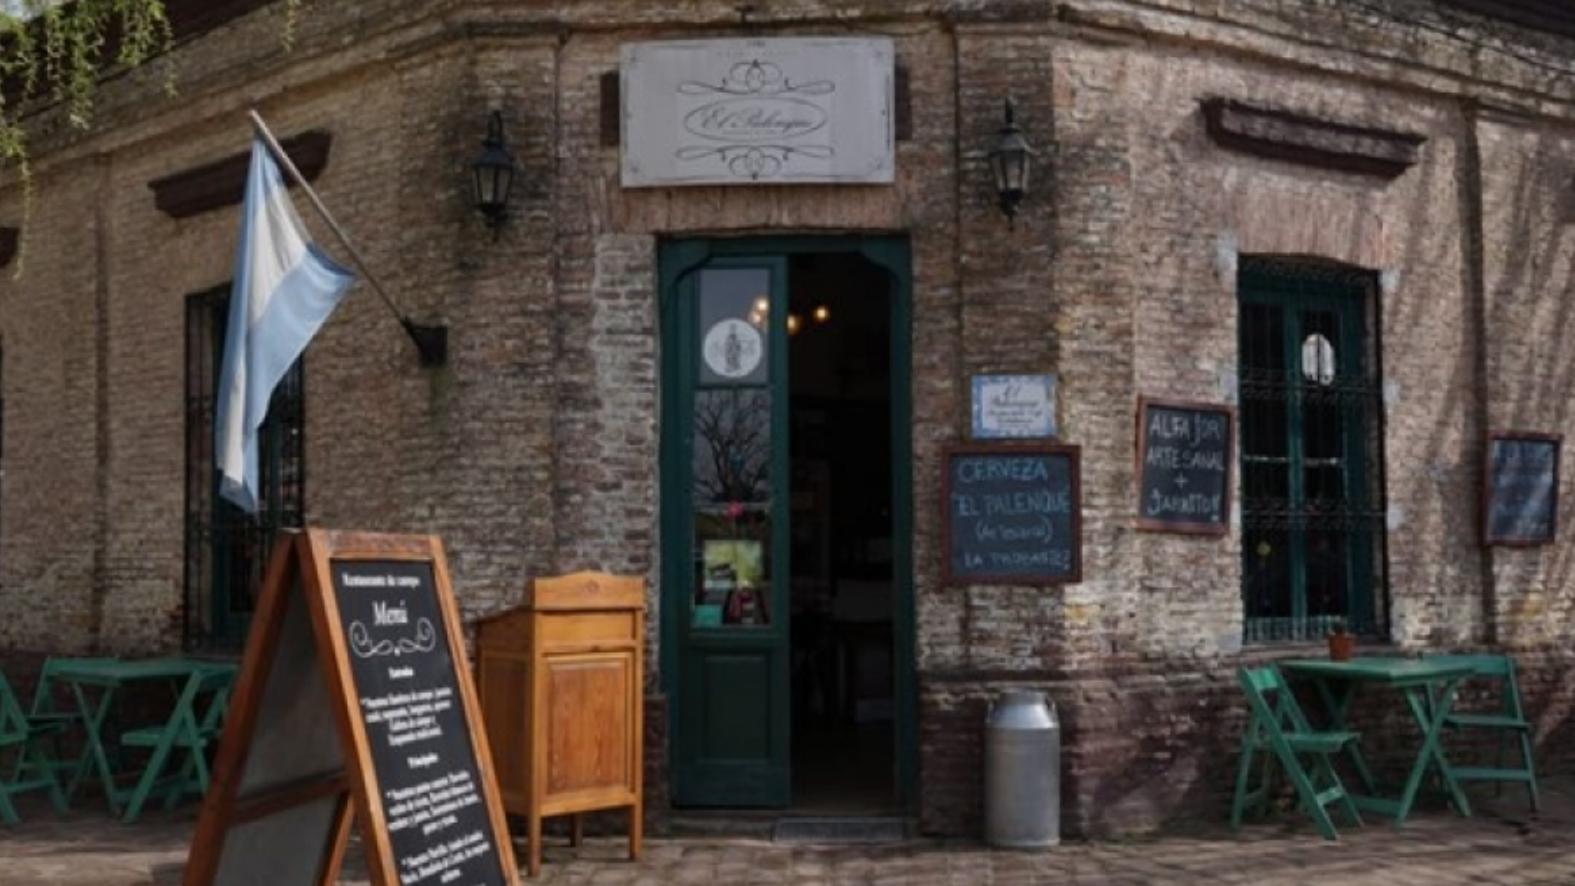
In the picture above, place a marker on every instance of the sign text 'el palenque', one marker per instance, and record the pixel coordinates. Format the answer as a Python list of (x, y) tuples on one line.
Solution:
[(1013, 514)]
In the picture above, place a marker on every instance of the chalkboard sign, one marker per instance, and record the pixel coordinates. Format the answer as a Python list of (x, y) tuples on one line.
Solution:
[(407, 693), (1184, 453), (1013, 514), (354, 702), (1521, 501)]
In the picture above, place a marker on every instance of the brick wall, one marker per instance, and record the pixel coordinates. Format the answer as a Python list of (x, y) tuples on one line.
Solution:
[(535, 449)]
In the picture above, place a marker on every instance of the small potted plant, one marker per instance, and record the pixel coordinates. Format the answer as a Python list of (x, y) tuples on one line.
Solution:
[(1341, 643)]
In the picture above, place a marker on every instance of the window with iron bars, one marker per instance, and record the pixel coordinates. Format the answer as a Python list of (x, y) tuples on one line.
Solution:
[(226, 548), (1311, 456)]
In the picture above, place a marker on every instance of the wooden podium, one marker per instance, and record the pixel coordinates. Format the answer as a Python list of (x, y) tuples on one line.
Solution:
[(561, 685)]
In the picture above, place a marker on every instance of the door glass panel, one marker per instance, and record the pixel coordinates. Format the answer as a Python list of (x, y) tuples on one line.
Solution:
[(735, 306), (732, 495)]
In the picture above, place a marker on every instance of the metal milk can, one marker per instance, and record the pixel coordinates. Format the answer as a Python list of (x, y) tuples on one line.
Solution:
[(1022, 772)]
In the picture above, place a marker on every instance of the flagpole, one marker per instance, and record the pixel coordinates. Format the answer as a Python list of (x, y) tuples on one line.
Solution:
[(430, 341)]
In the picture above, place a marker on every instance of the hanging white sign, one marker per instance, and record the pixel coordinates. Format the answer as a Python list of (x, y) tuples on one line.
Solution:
[(777, 111)]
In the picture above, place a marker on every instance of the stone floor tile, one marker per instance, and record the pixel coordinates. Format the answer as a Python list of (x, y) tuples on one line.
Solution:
[(1503, 844)]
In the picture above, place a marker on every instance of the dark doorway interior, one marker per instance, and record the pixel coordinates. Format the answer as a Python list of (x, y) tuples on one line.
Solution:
[(843, 758)]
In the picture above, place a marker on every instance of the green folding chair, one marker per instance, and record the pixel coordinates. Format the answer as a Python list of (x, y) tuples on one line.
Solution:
[(34, 771), (47, 709), (1509, 721), (1278, 731), (192, 727)]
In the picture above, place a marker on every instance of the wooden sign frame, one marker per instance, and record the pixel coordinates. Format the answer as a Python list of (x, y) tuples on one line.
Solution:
[(303, 560), (1069, 451), (1518, 541), (1148, 524)]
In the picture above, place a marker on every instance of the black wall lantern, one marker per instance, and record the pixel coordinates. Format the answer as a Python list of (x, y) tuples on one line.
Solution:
[(1011, 160), (494, 175)]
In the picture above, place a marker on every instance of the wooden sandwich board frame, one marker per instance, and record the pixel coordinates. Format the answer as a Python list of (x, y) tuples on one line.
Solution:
[(301, 561)]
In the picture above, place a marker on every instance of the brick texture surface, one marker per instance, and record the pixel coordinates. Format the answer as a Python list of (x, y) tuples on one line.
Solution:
[(535, 449)]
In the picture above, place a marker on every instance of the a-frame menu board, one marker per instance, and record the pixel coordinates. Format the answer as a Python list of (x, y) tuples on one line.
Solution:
[(354, 702)]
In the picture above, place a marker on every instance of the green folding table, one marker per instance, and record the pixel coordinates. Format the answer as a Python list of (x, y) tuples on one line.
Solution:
[(106, 678), (1419, 681)]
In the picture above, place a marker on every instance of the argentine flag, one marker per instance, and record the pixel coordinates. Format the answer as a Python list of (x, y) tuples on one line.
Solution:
[(284, 288)]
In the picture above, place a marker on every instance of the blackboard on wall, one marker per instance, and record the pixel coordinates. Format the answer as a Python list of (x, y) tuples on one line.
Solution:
[(1013, 514), (1185, 453), (1521, 499)]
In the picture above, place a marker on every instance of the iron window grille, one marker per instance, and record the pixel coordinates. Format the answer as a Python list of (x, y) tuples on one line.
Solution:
[(226, 549), (1311, 457)]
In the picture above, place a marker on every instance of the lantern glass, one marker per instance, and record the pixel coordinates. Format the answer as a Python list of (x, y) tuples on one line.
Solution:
[(493, 172), (493, 183), (1011, 169)]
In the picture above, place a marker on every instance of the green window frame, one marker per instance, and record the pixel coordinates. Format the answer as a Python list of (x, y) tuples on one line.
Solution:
[(1311, 458), (226, 549)]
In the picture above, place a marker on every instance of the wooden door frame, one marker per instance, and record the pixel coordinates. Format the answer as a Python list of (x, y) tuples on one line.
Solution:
[(891, 253)]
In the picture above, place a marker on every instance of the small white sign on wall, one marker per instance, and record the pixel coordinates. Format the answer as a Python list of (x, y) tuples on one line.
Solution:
[(764, 111), (1013, 406)]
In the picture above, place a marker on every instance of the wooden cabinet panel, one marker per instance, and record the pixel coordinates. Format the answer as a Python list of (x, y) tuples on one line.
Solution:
[(504, 683), (588, 739)]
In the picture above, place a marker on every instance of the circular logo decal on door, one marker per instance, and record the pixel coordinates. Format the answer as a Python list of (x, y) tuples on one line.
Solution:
[(732, 348)]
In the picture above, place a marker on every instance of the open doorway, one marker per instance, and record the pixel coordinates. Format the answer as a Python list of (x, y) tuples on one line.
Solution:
[(787, 616), (842, 589)]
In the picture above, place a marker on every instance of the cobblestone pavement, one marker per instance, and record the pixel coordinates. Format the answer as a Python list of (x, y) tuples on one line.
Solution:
[(1503, 844)]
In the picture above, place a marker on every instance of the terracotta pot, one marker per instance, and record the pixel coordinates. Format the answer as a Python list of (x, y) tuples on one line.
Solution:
[(1341, 646)]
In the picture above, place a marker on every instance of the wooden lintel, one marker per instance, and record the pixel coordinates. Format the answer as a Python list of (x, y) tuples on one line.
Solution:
[(223, 182), (1297, 138)]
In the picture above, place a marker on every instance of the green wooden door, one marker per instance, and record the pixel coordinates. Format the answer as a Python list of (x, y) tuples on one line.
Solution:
[(725, 492)]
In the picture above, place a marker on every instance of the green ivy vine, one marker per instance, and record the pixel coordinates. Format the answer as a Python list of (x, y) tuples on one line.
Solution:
[(57, 51)]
